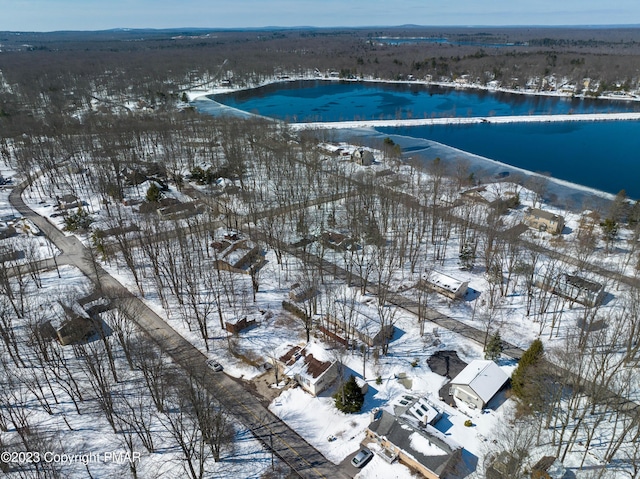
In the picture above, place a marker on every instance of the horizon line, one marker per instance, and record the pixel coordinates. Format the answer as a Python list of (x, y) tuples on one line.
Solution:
[(311, 27)]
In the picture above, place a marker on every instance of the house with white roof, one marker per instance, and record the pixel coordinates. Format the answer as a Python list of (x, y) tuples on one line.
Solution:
[(478, 383), (446, 285), (417, 407)]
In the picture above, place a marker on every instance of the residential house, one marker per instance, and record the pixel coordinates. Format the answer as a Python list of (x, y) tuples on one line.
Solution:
[(302, 292), (337, 241), (312, 374), (443, 284), (494, 195), (234, 253), (501, 465), (115, 231), (76, 329), (303, 300), (420, 447), (548, 467), (505, 464), (478, 383), (68, 202), (418, 407), (541, 220), (77, 324), (179, 210), (573, 287), (352, 320), (362, 157)]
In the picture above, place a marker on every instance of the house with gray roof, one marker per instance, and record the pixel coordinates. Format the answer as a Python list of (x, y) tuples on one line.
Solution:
[(415, 444), (573, 287)]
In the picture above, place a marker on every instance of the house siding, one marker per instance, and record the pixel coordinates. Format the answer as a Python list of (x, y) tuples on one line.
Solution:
[(467, 395)]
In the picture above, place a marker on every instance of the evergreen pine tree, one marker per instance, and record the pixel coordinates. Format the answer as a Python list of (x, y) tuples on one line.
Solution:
[(494, 347), (349, 397), (153, 193), (523, 375), (467, 257)]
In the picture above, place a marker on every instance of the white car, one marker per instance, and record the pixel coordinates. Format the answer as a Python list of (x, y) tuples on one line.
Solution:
[(361, 458), (215, 365)]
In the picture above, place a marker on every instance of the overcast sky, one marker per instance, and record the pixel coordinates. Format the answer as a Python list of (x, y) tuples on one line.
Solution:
[(49, 15)]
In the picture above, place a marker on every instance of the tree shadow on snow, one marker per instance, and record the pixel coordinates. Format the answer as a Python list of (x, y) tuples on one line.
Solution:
[(471, 294), (370, 402)]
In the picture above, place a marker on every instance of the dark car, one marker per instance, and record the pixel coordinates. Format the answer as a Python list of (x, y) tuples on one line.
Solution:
[(362, 458)]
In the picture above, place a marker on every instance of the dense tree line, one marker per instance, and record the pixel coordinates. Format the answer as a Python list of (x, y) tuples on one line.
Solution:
[(49, 81)]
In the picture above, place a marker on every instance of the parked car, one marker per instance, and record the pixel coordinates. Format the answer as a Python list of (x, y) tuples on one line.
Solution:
[(215, 365), (362, 458)]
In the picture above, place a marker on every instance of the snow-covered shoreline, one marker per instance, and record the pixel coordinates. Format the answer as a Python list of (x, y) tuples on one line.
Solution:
[(471, 120), (563, 189), (195, 94)]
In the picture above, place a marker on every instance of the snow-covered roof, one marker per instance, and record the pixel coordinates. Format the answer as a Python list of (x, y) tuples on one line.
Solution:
[(547, 215), (483, 376), (443, 281), (426, 445), (301, 362), (492, 192), (416, 407)]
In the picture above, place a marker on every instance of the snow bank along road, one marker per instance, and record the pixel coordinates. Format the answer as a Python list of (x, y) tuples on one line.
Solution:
[(305, 460), (468, 121)]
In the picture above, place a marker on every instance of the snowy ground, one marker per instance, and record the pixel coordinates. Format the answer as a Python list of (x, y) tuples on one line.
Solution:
[(300, 410), (65, 433), (276, 328)]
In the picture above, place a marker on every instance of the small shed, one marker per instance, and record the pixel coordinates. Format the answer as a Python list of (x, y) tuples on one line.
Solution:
[(235, 325)]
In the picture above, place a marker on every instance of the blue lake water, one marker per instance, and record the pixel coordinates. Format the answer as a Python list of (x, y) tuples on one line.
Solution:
[(600, 155), (305, 101)]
